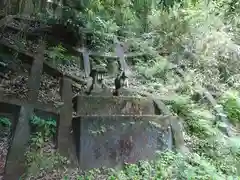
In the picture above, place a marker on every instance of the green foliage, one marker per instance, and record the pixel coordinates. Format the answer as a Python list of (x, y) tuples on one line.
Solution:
[(44, 161), (214, 149), (38, 140), (203, 36), (46, 127), (5, 122), (57, 55), (167, 165), (38, 159), (198, 120), (155, 69), (231, 105), (181, 105)]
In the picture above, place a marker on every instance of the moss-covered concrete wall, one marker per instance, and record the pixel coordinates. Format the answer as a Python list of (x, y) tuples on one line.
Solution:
[(112, 140)]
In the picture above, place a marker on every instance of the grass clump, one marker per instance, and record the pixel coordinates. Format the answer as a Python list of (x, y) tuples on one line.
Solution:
[(231, 105), (168, 165)]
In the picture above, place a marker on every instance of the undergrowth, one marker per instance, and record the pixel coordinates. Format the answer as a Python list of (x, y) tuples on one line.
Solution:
[(201, 36), (5, 122), (41, 155), (208, 147), (231, 104)]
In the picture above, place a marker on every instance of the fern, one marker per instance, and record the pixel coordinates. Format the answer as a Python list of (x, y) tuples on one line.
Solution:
[(46, 127), (5, 122)]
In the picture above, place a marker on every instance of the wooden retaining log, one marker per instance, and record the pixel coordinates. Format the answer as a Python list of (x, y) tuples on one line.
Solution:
[(15, 165)]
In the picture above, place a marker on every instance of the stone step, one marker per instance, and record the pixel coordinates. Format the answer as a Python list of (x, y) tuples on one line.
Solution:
[(112, 140), (112, 105)]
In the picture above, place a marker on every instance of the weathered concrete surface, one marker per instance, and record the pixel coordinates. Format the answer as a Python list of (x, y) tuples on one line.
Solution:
[(8, 99), (64, 142), (176, 130), (112, 140), (15, 165), (110, 105), (112, 67), (13, 107), (161, 108), (12, 110)]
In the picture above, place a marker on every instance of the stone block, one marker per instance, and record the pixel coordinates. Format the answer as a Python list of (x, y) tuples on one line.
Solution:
[(64, 140), (111, 105), (112, 140)]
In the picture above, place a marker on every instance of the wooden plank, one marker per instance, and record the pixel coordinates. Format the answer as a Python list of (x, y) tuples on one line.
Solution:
[(15, 165), (65, 141)]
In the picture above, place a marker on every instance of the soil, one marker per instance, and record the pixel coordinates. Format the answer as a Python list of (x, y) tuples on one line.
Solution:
[(4, 144), (49, 149), (18, 40), (72, 69), (16, 85), (49, 90)]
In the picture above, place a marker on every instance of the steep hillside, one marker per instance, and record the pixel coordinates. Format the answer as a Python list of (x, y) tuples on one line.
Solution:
[(185, 54)]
